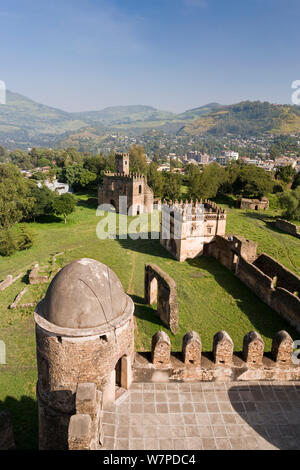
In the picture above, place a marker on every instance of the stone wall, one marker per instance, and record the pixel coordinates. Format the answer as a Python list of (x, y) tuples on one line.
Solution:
[(84, 432), (288, 227), (160, 287), (220, 364), (269, 280), (284, 277), (253, 204)]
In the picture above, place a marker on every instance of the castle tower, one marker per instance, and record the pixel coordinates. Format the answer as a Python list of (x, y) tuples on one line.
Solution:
[(84, 334), (187, 227), (122, 163)]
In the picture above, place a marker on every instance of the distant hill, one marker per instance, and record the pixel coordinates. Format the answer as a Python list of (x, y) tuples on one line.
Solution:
[(25, 123), (246, 119), (124, 115)]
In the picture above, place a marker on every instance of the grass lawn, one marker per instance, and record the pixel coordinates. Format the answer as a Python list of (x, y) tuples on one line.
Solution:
[(210, 297)]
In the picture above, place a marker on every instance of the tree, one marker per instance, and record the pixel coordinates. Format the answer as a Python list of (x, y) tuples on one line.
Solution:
[(64, 205), (137, 160), (253, 182), (43, 199), (15, 198), (206, 184), (155, 180), (296, 181), (290, 203), (285, 173), (171, 186), (77, 176)]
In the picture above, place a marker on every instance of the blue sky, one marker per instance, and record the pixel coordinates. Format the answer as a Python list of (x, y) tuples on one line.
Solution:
[(170, 54)]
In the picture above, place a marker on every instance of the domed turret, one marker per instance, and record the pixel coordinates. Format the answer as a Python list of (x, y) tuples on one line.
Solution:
[(84, 294)]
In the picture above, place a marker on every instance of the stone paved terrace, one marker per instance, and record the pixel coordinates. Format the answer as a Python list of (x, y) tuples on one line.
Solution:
[(205, 416)]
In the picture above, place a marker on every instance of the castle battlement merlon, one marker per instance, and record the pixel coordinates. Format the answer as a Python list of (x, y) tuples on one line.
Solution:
[(130, 176)]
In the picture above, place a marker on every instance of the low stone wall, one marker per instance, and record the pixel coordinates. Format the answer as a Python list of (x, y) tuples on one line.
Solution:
[(284, 277), (273, 283), (34, 277), (220, 364), (288, 227), (84, 431), (8, 281)]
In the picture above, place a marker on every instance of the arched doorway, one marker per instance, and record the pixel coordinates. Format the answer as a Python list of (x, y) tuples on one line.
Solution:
[(122, 375), (118, 373)]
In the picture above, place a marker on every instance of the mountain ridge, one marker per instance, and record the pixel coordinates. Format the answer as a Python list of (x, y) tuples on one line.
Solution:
[(26, 123)]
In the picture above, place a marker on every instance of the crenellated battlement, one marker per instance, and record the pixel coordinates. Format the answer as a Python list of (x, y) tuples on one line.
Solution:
[(192, 207), (221, 363), (125, 176)]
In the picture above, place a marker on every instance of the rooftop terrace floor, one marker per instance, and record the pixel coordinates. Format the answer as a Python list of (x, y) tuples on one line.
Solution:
[(205, 416)]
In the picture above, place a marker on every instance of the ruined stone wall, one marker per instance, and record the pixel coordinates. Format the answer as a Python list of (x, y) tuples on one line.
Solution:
[(288, 227), (221, 364), (285, 278), (253, 204), (269, 280), (165, 286)]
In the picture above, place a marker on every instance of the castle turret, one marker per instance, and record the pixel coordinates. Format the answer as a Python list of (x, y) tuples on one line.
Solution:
[(84, 334), (122, 163)]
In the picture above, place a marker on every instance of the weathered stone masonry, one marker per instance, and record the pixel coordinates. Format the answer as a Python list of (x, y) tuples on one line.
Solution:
[(274, 284), (160, 287), (84, 327), (221, 364)]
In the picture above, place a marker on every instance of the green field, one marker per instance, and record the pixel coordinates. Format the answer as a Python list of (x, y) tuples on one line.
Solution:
[(210, 297)]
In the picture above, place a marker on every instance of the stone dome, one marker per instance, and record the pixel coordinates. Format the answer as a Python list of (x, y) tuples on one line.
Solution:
[(84, 294)]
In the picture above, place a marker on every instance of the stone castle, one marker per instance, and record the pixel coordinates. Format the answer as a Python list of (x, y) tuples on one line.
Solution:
[(187, 226), (130, 185), (86, 357), (85, 325)]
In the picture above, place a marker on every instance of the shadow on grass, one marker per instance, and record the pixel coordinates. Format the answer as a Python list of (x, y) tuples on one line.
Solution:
[(262, 317), (229, 200), (24, 414), (48, 219), (90, 203), (151, 247), (145, 312)]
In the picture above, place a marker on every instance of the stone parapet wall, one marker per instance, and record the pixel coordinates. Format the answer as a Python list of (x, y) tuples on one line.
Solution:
[(84, 432), (288, 227), (284, 277), (273, 283), (220, 364)]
